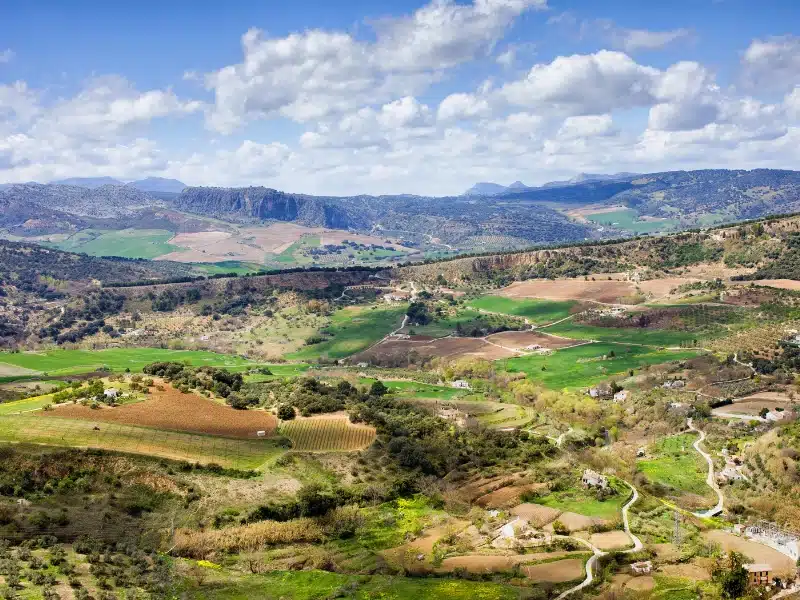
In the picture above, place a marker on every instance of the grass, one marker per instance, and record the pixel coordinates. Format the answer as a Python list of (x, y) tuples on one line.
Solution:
[(581, 366), (630, 335), (414, 389), (447, 325), (320, 585), (72, 362), (294, 255), (26, 405), (676, 464), (536, 311), (353, 329), (584, 502), (278, 372), (53, 431), (628, 219), (229, 266), (129, 243)]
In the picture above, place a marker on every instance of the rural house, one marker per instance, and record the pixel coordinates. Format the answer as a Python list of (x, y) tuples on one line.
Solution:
[(460, 384), (758, 574), (593, 479), (111, 394)]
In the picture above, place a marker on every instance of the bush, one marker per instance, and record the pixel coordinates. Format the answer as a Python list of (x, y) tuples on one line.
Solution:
[(286, 412)]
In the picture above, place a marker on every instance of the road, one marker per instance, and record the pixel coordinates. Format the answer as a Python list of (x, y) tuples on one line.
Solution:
[(597, 553), (711, 479)]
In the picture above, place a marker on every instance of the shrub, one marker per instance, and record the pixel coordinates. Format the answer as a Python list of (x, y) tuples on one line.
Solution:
[(286, 412)]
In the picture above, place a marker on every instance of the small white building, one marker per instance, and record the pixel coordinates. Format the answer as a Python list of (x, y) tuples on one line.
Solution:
[(775, 415), (460, 384), (111, 394), (363, 365), (593, 479), (621, 396), (533, 347), (644, 567), (641, 452), (674, 384)]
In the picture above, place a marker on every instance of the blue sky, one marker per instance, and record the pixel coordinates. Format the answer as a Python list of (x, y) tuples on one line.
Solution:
[(363, 97)]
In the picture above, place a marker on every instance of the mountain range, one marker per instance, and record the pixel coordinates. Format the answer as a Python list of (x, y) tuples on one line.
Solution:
[(517, 216), (149, 184), (487, 188)]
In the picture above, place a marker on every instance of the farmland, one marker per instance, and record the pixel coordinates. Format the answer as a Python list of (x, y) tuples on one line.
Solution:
[(536, 311), (71, 362), (129, 243), (327, 434), (587, 364), (628, 219), (674, 463), (116, 437), (353, 329), (629, 335), (578, 500)]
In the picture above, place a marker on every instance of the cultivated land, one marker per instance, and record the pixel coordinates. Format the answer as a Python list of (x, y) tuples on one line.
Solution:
[(535, 311), (172, 410), (327, 433)]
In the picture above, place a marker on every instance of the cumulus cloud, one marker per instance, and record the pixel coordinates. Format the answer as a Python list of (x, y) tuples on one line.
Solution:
[(462, 106), (773, 62), (586, 127), (316, 74)]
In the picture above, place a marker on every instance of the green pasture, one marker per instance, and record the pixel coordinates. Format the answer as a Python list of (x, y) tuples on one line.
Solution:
[(319, 585), (26, 405), (536, 311), (229, 266), (628, 219), (673, 462), (72, 362), (414, 389), (293, 253), (129, 243), (579, 500), (581, 366), (629, 335), (59, 431), (353, 329), (447, 325)]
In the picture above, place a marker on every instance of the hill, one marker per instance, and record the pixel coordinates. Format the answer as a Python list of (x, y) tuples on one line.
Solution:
[(88, 182), (158, 184)]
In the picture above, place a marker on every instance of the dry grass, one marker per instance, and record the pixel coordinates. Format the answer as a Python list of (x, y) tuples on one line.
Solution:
[(245, 538)]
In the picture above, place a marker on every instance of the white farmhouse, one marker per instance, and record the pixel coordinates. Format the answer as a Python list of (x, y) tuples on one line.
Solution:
[(460, 384)]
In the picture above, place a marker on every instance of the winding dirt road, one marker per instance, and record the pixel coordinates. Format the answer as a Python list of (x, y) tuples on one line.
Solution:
[(711, 479)]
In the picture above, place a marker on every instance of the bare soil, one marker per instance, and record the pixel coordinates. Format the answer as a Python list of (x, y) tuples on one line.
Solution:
[(692, 571), (537, 515), (603, 291), (641, 584), (397, 350), (783, 284), (555, 572), (507, 496), (575, 522), (756, 552), (523, 339), (610, 540), (175, 411)]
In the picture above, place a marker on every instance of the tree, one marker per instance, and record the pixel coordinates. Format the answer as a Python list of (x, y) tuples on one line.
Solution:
[(286, 412), (729, 573), (378, 389)]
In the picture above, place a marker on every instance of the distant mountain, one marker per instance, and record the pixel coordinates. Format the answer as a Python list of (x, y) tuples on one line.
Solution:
[(517, 185), (485, 188), (158, 184), (88, 182), (103, 202), (587, 177)]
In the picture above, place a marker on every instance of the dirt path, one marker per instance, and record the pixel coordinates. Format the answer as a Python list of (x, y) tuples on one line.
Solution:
[(710, 480), (597, 553)]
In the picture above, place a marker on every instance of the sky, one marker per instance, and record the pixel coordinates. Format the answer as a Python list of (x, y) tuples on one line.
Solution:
[(338, 97)]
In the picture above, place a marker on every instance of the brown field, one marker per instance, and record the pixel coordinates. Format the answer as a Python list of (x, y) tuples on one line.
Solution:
[(686, 571), (522, 339), (173, 411), (610, 540), (753, 551), (752, 407), (397, 350), (558, 571), (641, 584), (251, 244), (538, 516), (507, 496), (603, 291), (662, 287), (575, 522), (7, 370), (783, 284)]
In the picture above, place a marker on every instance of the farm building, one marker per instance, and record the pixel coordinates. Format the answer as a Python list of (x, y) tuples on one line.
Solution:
[(758, 574), (362, 365), (460, 384), (111, 394), (593, 479), (533, 347), (602, 390), (644, 567), (621, 396), (775, 415), (674, 384)]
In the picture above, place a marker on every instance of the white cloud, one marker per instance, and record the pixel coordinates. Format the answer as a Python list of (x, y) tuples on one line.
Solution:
[(585, 84), (633, 40), (773, 62), (6, 56), (586, 127), (317, 74), (462, 106)]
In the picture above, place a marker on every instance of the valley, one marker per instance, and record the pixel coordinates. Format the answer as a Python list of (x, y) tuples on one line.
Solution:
[(520, 425)]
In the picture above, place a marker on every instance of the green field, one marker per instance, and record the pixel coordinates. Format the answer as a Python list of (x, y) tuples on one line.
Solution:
[(229, 266), (630, 335), (676, 464), (536, 311), (585, 502), (26, 405), (293, 254), (413, 389), (130, 243), (628, 219), (447, 325), (55, 431), (320, 585), (353, 329), (581, 366), (72, 362), (279, 371)]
